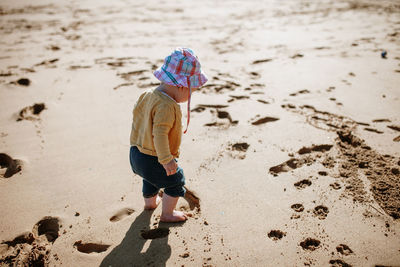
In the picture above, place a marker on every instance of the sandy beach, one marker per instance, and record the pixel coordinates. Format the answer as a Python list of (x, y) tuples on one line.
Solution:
[(292, 157)]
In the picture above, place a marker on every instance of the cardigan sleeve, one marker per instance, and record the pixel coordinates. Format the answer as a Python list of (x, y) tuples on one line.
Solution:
[(163, 121)]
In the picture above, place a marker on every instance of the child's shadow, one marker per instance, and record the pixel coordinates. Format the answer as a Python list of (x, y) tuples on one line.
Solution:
[(129, 252)]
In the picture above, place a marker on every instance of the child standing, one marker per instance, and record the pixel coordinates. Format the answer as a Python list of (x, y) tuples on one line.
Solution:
[(157, 131)]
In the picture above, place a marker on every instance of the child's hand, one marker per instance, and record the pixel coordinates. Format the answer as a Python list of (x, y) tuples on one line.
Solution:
[(170, 167)]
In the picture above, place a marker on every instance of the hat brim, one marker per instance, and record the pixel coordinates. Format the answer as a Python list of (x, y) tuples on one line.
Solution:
[(196, 80)]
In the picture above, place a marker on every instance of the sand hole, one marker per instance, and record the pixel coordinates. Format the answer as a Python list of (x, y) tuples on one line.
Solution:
[(297, 207), (310, 244), (13, 166), (155, 233), (323, 173), (321, 212), (48, 226), (302, 184), (121, 214), (276, 234), (344, 249), (90, 247), (192, 199)]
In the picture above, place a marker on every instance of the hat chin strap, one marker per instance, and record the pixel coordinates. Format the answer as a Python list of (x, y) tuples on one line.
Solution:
[(188, 105)]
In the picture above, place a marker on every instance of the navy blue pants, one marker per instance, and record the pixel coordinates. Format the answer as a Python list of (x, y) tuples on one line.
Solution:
[(154, 175)]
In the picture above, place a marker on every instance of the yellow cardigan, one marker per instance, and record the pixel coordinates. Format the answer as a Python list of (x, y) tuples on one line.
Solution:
[(157, 126)]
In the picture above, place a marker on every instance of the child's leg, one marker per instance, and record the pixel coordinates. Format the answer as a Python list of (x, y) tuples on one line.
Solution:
[(169, 214), (150, 195), (150, 203)]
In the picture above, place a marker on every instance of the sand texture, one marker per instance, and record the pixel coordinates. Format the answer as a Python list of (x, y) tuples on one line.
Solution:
[(292, 157)]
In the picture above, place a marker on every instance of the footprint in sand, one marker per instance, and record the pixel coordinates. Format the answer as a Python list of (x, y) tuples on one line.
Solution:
[(24, 238), (334, 100), (123, 85), (315, 148), (12, 166), (90, 247), (295, 163), (276, 234), (155, 233), (263, 101), (297, 207), (335, 186), (48, 226), (218, 87), (238, 150), (310, 244), (23, 81), (305, 91), (222, 115), (381, 120), (202, 107), (31, 112), (321, 212), (339, 263), (237, 97), (344, 249), (297, 56), (330, 89), (373, 130), (254, 75), (261, 61), (128, 76), (31, 248), (121, 214), (302, 184), (240, 147), (264, 120), (76, 67), (394, 127), (285, 167)]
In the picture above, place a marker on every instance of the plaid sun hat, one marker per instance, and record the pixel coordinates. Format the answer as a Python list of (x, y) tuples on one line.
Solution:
[(182, 68)]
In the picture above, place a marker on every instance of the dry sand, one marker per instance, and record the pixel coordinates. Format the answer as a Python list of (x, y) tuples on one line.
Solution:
[(293, 148)]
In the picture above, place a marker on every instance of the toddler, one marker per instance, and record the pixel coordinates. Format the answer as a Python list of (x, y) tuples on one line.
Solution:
[(157, 131)]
